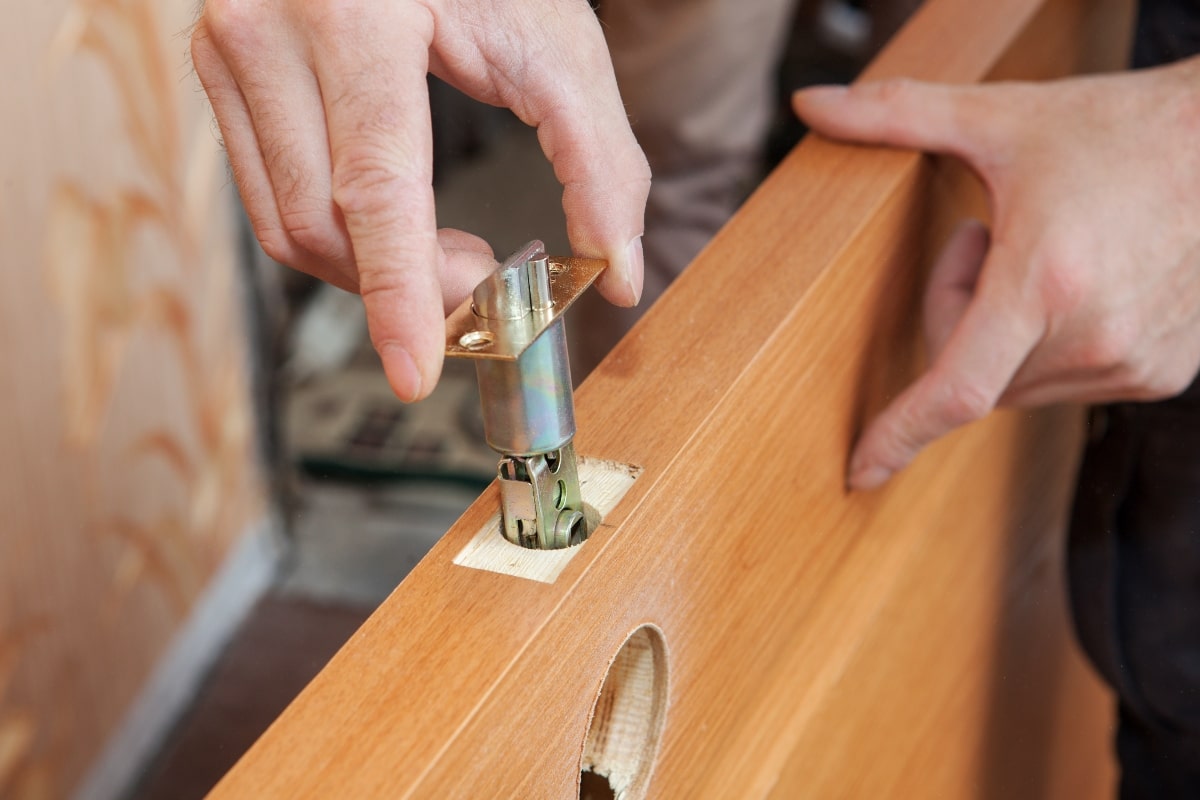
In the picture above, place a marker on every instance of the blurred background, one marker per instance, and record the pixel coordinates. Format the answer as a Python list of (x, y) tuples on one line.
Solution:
[(210, 485)]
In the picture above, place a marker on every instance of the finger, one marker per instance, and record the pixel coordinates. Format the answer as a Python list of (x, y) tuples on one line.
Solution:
[(241, 142), (468, 261), (986, 349), (284, 102), (245, 157), (572, 98), (952, 283), (370, 61), (903, 113)]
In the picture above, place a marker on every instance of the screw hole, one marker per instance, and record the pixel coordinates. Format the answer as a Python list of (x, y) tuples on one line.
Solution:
[(477, 340)]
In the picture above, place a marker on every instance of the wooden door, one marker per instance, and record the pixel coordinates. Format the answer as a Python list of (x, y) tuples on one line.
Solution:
[(763, 632)]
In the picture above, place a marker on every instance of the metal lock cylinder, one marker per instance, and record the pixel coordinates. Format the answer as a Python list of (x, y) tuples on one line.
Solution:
[(528, 407), (513, 328)]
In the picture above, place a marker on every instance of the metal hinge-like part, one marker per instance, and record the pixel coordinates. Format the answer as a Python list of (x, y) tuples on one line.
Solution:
[(513, 328), (540, 502)]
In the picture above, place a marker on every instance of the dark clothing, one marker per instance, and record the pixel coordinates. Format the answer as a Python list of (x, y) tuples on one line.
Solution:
[(1134, 548), (1134, 563), (1167, 30)]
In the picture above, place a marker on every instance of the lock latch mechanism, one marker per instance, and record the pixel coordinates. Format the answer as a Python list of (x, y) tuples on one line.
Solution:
[(513, 327)]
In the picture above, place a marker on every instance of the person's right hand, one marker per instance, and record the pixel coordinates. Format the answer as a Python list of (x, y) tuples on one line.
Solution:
[(324, 110)]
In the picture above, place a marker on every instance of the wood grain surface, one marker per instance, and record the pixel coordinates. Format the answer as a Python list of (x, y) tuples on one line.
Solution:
[(129, 464), (910, 642)]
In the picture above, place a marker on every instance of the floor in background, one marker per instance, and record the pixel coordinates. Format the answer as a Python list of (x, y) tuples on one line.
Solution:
[(282, 645)]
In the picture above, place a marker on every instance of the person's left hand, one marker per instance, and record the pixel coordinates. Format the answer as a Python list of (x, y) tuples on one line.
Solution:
[(1087, 288)]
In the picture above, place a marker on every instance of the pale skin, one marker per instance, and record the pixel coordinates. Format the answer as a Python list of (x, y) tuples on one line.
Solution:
[(1086, 289), (324, 111)]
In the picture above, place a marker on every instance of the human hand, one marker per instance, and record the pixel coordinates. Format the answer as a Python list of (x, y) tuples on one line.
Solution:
[(1088, 287), (324, 110)]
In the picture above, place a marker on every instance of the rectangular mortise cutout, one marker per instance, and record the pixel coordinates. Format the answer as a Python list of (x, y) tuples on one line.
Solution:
[(602, 484)]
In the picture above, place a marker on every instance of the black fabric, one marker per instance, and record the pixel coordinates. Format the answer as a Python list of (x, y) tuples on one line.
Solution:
[(1167, 30), (1134, 561)]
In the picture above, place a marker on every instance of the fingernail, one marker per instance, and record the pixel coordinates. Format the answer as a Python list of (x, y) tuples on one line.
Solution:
[(401, 370), (867, 478), (635, 263)]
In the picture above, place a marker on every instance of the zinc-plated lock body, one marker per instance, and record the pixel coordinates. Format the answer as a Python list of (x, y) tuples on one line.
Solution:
[(513, 328)]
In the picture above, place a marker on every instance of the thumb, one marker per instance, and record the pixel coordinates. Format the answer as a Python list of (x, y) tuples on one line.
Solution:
[(901, 113)]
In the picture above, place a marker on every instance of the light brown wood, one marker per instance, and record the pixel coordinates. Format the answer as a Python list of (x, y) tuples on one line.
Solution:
[(910, 642), (129, 467)]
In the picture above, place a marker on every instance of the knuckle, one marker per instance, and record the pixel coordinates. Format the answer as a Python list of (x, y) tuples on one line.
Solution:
[(1110, 346), (312, 230), (378, 281), (366, 181), (275, 242), (891, 92), (639, 169), (901, 445), (404, 275), (232, 22), (372, 283), (338, 18), (1162, 381), (964, 403), (1065, 283)]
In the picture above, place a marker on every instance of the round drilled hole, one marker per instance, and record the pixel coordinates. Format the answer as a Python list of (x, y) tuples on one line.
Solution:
[(627, 720), (476, 340)]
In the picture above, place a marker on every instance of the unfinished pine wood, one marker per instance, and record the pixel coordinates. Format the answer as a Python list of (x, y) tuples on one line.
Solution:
[(627, 720), (910, 642), (128, 464), (602, 484)]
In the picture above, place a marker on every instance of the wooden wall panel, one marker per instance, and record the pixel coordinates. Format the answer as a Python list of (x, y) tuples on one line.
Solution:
[(128, 465), (910, 642)]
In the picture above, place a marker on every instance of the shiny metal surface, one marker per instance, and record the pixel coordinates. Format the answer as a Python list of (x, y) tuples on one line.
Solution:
[(504, 295), (527, 405), (514, 329), (507, 338), (540, 501)]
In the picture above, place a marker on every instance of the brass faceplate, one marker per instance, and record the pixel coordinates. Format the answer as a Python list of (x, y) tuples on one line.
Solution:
[(471, 336)]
